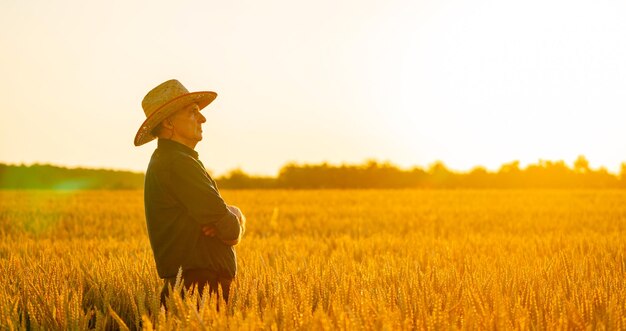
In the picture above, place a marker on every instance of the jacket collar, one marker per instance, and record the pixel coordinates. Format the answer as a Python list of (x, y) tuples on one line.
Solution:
[(172, 145)]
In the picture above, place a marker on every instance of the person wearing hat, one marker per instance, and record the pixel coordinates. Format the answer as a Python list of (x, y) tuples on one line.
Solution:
[(190, 226)]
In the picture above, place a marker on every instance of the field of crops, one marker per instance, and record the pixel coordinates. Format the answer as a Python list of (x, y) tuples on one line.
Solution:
[(317, 260)]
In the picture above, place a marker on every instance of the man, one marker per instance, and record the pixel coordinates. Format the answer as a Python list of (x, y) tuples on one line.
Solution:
[(189, 224)]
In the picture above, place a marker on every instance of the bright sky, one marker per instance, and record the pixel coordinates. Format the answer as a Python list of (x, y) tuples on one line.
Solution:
[(479, 82)]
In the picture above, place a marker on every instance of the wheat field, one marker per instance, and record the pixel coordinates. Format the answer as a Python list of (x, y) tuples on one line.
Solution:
[(327, 260)]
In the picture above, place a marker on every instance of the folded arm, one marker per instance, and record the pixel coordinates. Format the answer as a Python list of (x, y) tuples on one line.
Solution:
[(193, 189), (211, 231)]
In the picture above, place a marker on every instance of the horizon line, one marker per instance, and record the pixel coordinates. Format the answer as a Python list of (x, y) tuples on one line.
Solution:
[(332, 164)]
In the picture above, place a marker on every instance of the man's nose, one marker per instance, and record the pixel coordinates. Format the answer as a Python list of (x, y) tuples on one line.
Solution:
[(202, 118)]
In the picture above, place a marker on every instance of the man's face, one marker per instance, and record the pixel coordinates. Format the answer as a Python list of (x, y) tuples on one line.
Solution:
[(187, 125)]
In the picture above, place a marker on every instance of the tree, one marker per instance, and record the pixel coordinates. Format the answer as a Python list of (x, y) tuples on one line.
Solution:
[(581, 165), (511, 167)]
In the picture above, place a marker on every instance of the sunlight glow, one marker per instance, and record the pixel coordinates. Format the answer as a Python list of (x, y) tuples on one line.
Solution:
[(469, 83)]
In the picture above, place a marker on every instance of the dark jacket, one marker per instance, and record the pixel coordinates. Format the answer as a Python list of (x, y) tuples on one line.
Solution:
[(180, 198)]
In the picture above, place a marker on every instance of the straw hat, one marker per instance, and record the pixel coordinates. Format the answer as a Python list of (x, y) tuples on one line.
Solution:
[(164, 100)]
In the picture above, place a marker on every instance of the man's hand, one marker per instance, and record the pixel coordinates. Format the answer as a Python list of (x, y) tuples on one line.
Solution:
[(209, 231), (242, 223), (240, 216), (235, 210)]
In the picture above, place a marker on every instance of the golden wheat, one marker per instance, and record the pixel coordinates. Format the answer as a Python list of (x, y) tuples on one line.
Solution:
[(326, 260)]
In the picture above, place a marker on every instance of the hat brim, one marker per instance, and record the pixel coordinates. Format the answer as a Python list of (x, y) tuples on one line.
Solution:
[(202, 99)]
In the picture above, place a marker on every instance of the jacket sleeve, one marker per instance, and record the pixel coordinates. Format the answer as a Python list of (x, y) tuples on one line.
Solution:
[(194, 190)]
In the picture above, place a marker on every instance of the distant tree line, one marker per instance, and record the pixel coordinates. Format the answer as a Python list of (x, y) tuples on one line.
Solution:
[(43, 176), (371, 174)]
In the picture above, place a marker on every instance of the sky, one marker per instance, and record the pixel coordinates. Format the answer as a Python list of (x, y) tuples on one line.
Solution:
[(470, 83)]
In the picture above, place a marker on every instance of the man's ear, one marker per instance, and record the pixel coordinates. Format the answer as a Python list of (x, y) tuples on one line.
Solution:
[(167, 123)]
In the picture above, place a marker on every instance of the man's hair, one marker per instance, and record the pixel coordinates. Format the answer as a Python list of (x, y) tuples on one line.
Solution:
[(156, 131)]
